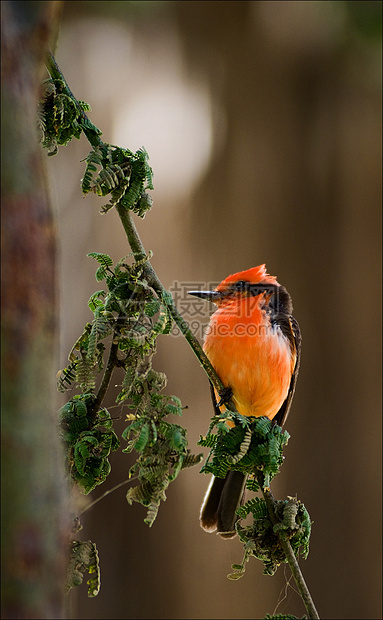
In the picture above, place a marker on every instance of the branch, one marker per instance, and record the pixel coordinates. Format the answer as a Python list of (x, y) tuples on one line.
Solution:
[(111, 364), (152, 279), (290, 556)]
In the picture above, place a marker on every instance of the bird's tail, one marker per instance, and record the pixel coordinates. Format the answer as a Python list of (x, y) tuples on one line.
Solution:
[(223, 497)]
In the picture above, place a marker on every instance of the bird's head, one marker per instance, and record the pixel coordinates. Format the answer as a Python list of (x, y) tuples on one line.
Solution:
[(249, 283)]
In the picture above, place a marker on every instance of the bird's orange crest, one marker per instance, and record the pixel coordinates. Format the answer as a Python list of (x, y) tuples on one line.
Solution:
[(253, 275)]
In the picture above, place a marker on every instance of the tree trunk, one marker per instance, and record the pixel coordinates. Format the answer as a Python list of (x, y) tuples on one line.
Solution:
[(34, 504)]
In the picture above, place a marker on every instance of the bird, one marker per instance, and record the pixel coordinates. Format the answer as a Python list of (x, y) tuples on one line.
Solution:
[(254, 344)]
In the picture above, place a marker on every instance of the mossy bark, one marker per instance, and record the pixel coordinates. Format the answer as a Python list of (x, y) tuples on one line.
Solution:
[(34, 503)]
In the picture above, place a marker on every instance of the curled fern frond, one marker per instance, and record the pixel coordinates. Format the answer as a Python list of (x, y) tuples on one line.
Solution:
[(263, 540), (124, 175), (83, 557), (102, 327), (190, 459), (208, 441), (67, 376), (130, 199), (95, 302), (264, 426), (93, 159), (174, 435), (89, 439), (62, 116), (255, 506), (84, 105), (105, 263), (140, 493), (143, 438), (152, 513), (85, 374), (290, 511), (245, 447), (252, 484)]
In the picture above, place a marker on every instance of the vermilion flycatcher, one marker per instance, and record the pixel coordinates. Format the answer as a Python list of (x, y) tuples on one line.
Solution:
[(253, 343)]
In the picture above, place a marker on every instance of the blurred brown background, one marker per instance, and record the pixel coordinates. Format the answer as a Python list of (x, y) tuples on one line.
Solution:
[(262, 122)]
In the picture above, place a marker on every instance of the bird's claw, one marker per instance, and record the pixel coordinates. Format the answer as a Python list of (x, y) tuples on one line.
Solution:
[(225, 396)]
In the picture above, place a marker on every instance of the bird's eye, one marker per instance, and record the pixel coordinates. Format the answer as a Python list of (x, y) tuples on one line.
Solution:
[(241, 285)]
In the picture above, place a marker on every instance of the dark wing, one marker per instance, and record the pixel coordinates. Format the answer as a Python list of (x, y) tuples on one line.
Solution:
[(290, 328)]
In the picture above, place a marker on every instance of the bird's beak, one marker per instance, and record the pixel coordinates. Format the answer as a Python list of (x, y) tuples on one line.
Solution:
[(213, 296)]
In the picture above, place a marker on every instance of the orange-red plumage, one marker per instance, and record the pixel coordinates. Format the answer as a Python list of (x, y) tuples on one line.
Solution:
[(245, 350), (253, 343)]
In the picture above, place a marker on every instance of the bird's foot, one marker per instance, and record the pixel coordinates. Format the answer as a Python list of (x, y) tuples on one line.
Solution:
[(225, 396)]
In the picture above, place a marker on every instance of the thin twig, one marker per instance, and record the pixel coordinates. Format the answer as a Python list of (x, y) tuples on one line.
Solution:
[(98, 499)]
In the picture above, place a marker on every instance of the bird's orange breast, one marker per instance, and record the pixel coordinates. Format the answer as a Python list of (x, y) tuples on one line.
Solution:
[(250, 356)]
